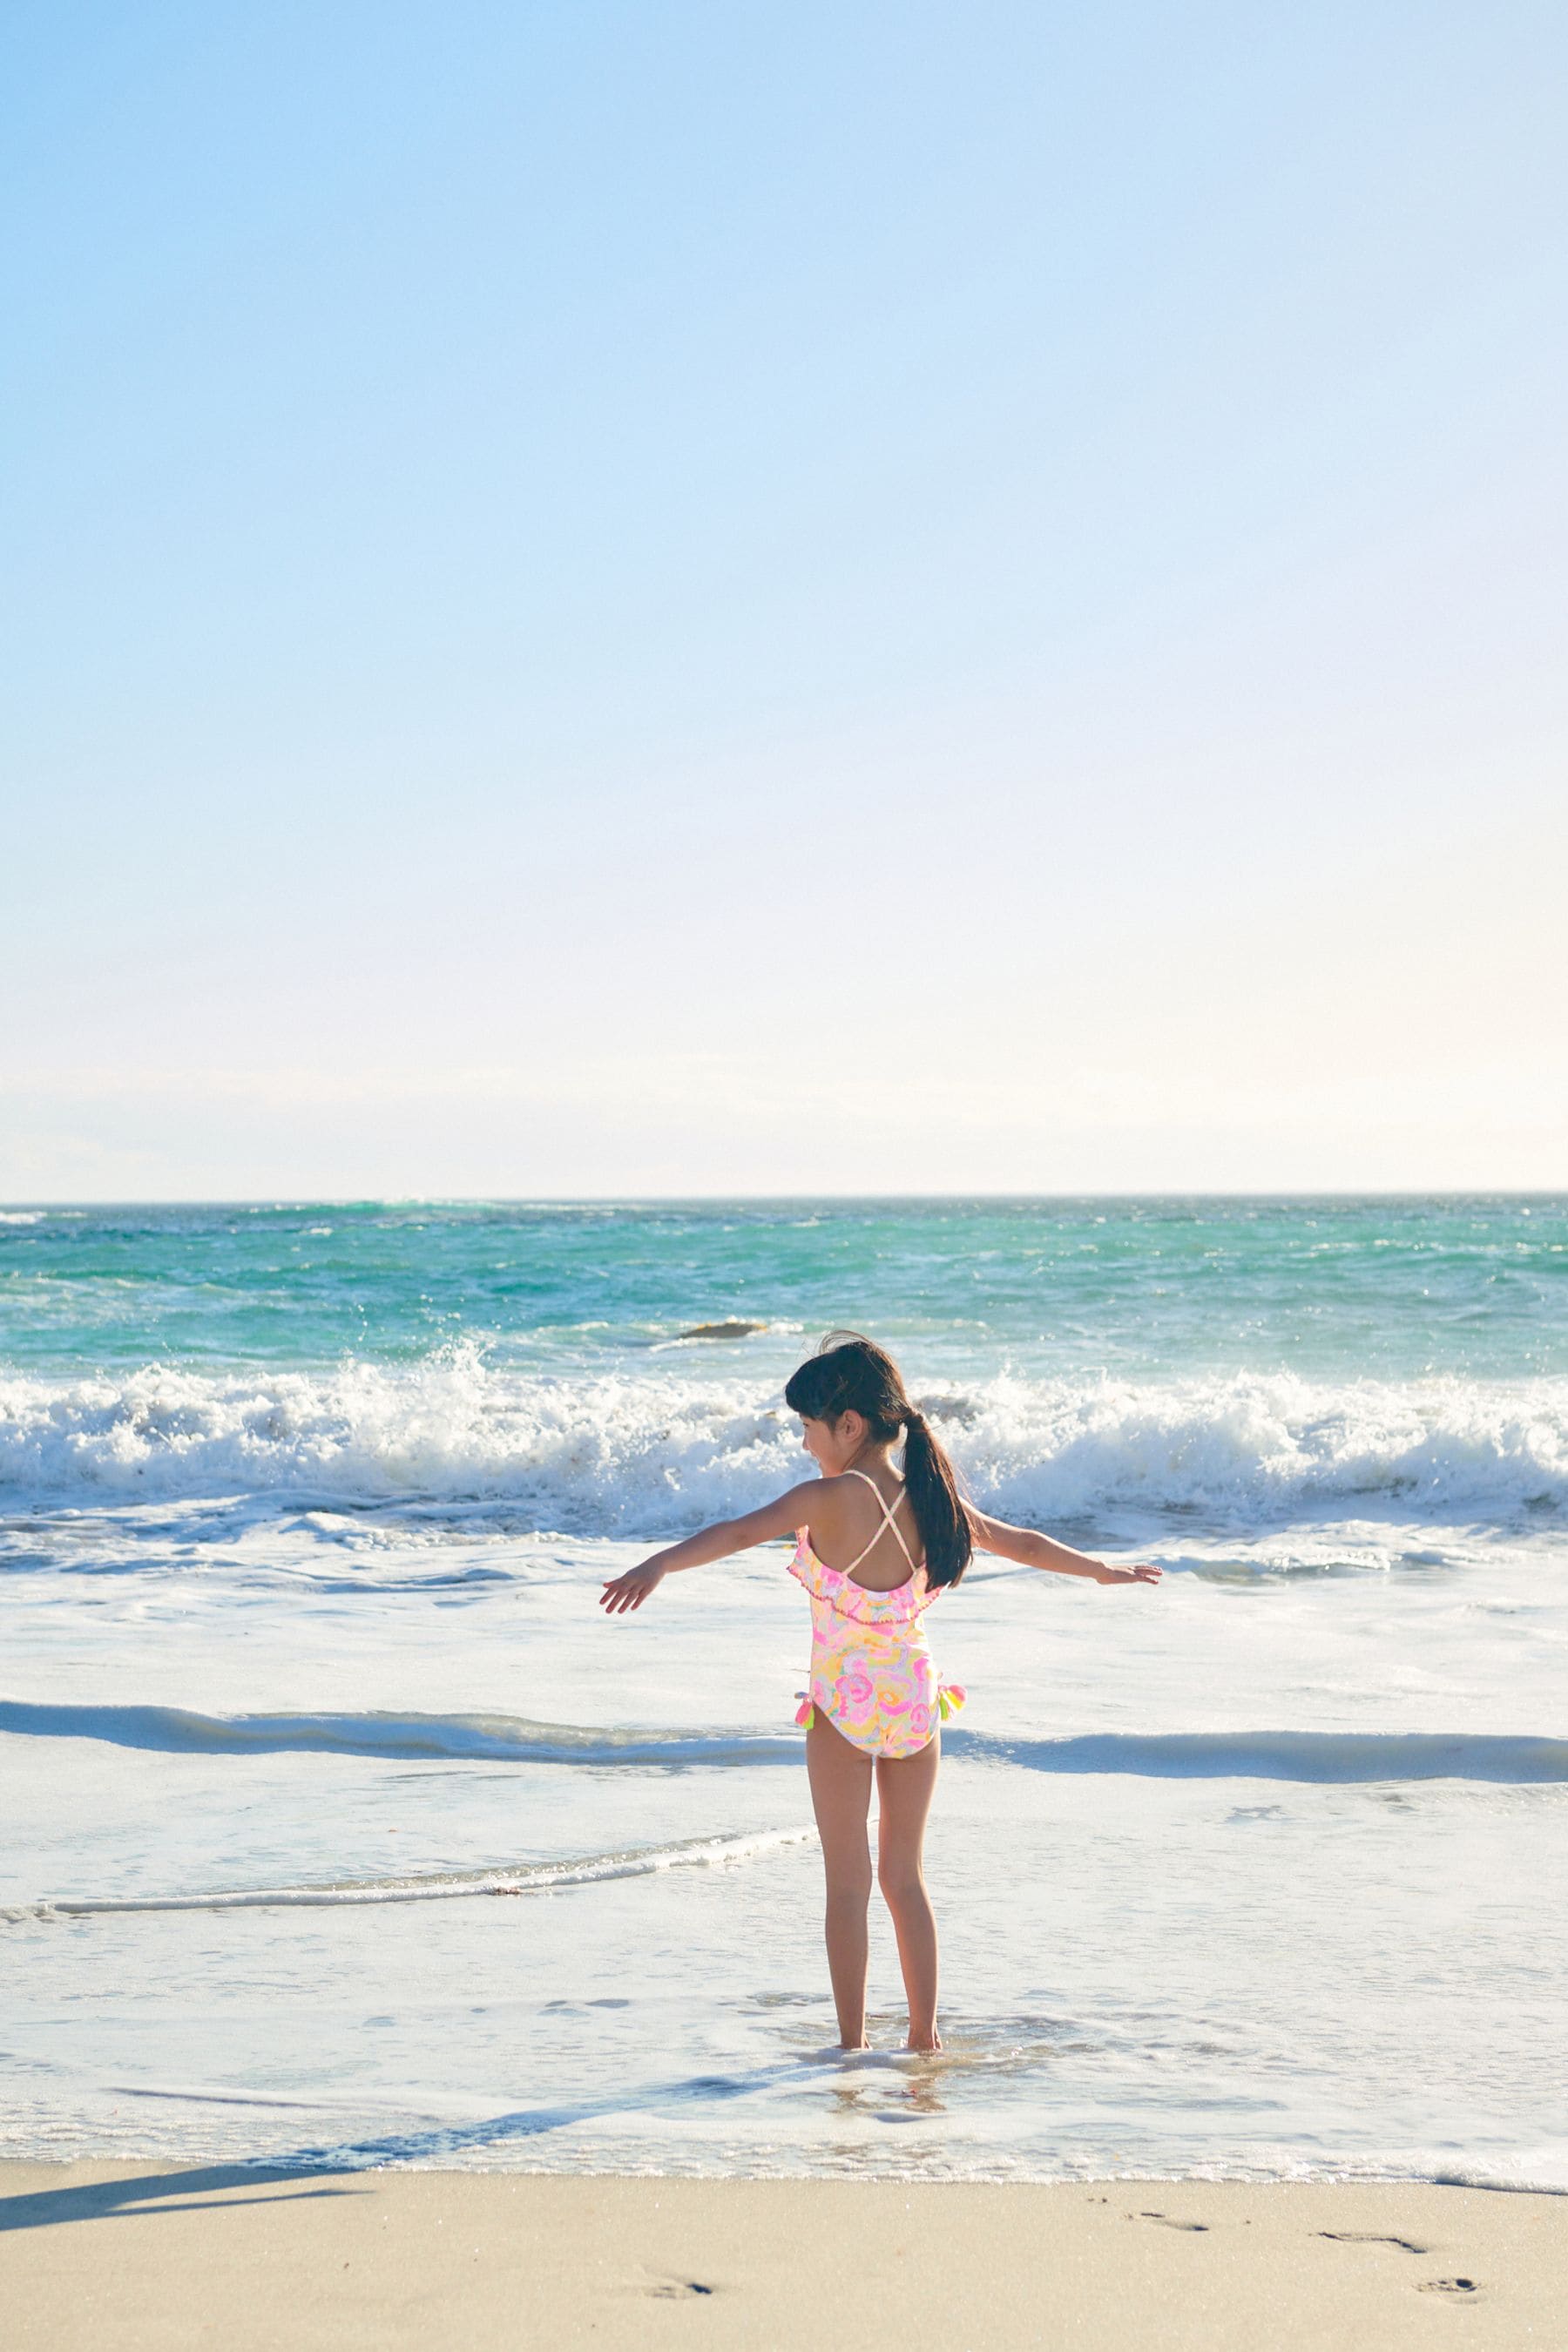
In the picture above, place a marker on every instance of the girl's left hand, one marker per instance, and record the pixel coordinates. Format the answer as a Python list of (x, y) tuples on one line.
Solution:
[(630, 1590), (1141, 1575)]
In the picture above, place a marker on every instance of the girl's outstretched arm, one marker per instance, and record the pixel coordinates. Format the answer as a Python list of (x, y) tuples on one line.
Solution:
[(1041, 1551), (777, 1518)]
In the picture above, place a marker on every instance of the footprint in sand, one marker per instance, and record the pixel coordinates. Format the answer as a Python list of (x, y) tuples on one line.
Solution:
[(1457, 2287), (1372, 2238), (1169, 2219)]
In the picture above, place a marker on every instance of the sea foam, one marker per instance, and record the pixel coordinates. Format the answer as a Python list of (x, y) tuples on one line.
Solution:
[(441, 1885), (646, 1455)]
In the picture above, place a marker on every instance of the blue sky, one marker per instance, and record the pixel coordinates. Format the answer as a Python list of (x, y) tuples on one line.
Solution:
[(685, 598)]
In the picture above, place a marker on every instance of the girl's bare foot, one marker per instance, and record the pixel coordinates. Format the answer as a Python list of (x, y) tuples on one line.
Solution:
[(925, 2044)]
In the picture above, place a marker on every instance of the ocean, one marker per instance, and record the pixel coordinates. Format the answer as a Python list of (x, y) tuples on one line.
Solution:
[(342, 1828)]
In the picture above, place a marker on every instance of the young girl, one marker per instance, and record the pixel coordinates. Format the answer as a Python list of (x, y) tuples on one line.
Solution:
[(873, 1550)]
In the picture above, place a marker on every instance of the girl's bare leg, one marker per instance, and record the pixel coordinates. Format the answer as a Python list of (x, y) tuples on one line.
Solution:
[(840, 1777), (905, 1786)]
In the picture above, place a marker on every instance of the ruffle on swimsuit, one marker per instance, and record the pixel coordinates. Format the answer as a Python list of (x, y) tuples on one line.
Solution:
[(871, 1668)]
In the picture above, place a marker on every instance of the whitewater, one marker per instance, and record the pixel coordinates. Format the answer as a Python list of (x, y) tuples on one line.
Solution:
[(610, 1456), (341, 1826)]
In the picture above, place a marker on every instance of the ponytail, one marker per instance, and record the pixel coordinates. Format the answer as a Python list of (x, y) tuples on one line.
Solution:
[(932, 1485), (850, 1374)]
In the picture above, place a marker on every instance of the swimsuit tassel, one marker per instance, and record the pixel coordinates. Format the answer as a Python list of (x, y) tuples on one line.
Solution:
[(804, 1713), (949, 1697)]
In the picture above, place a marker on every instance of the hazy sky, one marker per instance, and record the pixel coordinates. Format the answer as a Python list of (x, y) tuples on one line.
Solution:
[(813, 597)]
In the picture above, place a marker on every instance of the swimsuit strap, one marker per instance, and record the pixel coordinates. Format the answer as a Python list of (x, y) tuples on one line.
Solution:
[(888, 1521)]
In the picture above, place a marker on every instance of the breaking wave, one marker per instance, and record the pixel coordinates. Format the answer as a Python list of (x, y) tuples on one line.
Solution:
[(643, 1456), (464, 1738), (1266, 1755)]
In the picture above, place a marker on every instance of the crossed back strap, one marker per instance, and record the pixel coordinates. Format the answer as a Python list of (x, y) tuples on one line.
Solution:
[(888, 1521)]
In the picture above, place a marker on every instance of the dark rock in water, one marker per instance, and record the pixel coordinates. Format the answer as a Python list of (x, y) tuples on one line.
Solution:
[(721, 1331)]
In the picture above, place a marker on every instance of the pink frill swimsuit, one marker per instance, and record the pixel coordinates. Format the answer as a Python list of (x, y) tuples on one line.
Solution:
[(871, 1668)]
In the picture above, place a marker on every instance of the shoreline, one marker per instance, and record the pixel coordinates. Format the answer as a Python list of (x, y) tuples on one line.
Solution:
[(260, 2258)]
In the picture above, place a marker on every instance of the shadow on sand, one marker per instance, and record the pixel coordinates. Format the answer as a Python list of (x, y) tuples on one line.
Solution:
[(195, 2186)]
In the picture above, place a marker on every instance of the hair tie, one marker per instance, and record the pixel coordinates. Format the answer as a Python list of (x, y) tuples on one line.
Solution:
[(912, 1418)]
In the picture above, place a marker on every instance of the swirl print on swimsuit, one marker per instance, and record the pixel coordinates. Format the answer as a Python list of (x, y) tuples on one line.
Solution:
[(872, 1672)]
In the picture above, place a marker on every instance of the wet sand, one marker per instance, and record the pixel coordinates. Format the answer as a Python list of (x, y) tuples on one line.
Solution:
[(124, 2255)]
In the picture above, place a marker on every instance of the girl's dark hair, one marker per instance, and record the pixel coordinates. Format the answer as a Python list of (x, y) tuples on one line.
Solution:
[(850, 1374)]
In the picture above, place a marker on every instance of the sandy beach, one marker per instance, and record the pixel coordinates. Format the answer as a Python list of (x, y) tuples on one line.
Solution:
[(249, 2260)]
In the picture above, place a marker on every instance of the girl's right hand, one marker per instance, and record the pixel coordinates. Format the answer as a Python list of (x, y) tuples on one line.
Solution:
[(630, 1590)]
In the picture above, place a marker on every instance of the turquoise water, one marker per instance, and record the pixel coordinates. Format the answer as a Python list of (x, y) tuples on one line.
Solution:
[(1382, 1287), (1236, 1359)]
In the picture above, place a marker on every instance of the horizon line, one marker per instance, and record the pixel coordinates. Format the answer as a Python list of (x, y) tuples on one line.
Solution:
[(684, 1200)]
